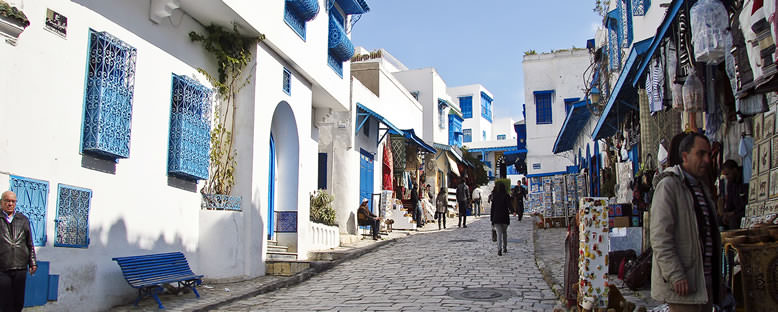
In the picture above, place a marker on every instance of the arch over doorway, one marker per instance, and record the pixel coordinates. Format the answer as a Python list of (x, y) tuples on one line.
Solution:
[(283, 176)]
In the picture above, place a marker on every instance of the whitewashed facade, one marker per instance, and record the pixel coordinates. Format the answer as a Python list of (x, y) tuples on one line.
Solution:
[(477, 106)]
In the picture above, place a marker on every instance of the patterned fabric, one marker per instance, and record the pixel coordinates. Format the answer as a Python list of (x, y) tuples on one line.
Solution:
[(655, 85), (707, 236), (387, 170), (398, 152)]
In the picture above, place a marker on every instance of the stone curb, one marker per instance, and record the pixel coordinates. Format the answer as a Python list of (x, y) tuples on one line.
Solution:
[(316, 268), (556, 288)]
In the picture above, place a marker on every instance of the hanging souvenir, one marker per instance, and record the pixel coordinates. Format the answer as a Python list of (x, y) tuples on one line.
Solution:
[(709, 22), (692, 93), (672, 79)]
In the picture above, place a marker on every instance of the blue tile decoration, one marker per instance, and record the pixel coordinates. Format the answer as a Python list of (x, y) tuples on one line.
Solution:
[(286, 221), (221, 202), (31, 200), (189, 143), (72, 222), (287, 81), (110, 84)]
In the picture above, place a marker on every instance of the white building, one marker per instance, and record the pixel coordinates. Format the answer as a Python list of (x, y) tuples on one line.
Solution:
[(477, 111), (493, 151), (135, 201), (552, 83)]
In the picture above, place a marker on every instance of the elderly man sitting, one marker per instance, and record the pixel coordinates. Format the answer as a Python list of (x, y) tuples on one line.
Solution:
[(365, 218)]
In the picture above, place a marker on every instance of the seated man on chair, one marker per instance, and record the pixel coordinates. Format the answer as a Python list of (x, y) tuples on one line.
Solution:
[(365, 218)]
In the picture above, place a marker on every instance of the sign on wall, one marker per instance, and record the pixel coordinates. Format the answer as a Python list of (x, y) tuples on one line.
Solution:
[(56, 23)]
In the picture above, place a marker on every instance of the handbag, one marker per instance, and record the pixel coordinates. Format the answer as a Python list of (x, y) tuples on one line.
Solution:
[(615, 257), (494, 235), (638, 273)]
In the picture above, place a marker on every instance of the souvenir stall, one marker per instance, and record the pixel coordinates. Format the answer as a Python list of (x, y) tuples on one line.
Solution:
[(592, 254), (408, 169)]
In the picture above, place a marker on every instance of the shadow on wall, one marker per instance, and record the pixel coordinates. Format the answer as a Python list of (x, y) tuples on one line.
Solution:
[(352, 224)]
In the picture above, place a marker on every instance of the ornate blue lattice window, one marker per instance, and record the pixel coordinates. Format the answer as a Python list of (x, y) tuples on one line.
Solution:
[(466, 104), (614, 38), (72, 222), (625, 7), (501, 137), (340, 48), (454, 130), (189, 143), (467, 135), (640, 7), (543, 111), (486, 106), (287, 81), (298, 12), (110, 83), (31, 199)]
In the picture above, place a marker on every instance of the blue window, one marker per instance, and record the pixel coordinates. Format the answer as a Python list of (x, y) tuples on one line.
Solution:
[(468, 135), (543, 107), (298, 12), (454, 130), (466, 104), (340, 48), (31, 199), (501, 137), (486, 106), (625, 8), (189, 141), (108, 96), (322, 171), (287, 81), (72, 222), (569, 104), (640, 7)]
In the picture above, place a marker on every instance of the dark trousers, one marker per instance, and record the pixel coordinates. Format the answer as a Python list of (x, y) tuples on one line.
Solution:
[(12, 290), (375, 225), (462, 214), (441, 219), (477, 207)]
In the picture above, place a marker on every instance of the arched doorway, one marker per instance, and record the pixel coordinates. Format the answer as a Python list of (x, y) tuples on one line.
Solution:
[(283, 177)]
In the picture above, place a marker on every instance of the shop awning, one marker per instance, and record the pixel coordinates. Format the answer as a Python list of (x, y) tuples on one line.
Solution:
[(453, 165), (410, 135), (443, 147), (622, 95), (672, 12), (367, 113), (576, 119)]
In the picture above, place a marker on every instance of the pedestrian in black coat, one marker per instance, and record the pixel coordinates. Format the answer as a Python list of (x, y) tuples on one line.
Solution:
[(501, 207)]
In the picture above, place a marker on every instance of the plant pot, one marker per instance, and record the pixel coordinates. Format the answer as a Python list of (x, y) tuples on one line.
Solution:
[(11, 27)]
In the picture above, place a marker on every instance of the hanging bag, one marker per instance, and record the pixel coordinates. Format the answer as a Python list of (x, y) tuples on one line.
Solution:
[(638, 273), (494, 234)]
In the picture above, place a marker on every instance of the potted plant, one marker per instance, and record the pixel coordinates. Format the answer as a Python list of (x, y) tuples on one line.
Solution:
[(12, 20), (321, 208)]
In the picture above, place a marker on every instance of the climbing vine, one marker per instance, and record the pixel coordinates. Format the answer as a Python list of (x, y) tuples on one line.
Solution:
[(233, 53)]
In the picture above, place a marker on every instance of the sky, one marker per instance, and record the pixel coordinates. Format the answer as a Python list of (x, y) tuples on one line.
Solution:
[(476, 41)]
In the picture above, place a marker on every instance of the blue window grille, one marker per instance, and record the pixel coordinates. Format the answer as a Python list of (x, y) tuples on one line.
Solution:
[(625, 8), (287, 81), (72, 222), (569, 103), (614, 38), (543, 107), (110, 84), (322, 171), (31, 199), (454, 130), (467, 135), (189, 141), (340, 48), (640, 7), (298, 12), (486, 106), (466, 104), (483, 135), (501, 137)]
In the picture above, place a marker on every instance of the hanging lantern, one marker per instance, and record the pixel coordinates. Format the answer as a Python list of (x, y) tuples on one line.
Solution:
[(709, 22), (692, 94)]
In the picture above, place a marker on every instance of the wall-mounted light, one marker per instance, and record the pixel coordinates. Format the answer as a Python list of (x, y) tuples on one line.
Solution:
[(160, 9), (594, 95)]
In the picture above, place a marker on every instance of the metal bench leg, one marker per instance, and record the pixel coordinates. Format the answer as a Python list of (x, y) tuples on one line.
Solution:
[(191, 285), (154, 293)]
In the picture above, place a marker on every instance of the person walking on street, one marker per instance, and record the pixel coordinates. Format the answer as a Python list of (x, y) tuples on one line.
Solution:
[(500, 216), (17, 254), (514, 200), (684, 232), (415, 206), (477, 202), (522, 196), (463, 199), (441, 205)]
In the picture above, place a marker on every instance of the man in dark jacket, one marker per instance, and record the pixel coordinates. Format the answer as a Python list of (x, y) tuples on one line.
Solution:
[(463, 200), (16, 254), (735, 197)]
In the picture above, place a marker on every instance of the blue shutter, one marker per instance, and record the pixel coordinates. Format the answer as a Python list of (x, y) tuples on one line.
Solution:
[(287, 81), (72, 221), (454, 130), (189, 141), (339, 46), (625, 8), (543, 107), (467, 135), (110, 84), (640, 7), (486, 106), (322, 171), (466, 104), (31, 198), (297, 12)]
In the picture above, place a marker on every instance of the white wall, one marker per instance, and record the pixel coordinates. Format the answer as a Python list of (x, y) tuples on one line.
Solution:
[(431, 87), (134, 210), (478, 124), (504, 126), (561, 72)]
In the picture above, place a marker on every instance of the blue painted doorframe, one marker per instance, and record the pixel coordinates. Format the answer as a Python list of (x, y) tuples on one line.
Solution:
[(366, 177), (271, 189)]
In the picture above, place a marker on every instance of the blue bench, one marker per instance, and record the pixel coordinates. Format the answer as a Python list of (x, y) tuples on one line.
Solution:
[(148, 273)]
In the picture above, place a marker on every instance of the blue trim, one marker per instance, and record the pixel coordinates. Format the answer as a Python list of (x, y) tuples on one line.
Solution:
[(537, 175), (638, 50), (543, 92), (657, 39), (466, 104), (287, 81), (519, 151), (486, 107), (494, 149), (271, 189), (353, 6), (576, 119), (410, 134), (467, 135), (369, 113)]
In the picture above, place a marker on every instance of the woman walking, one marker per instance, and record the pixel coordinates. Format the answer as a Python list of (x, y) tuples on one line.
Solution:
[(441, 204), (501, 206)]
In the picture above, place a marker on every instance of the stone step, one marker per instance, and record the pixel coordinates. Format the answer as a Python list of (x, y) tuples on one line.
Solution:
[(277, 249), (285, 267), (274, 256)]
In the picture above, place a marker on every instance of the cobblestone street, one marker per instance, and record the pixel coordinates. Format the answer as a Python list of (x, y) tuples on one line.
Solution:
[(425, 272)]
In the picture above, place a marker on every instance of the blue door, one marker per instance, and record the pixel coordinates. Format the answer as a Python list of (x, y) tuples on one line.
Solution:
[(271, 189), (366, 177)]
